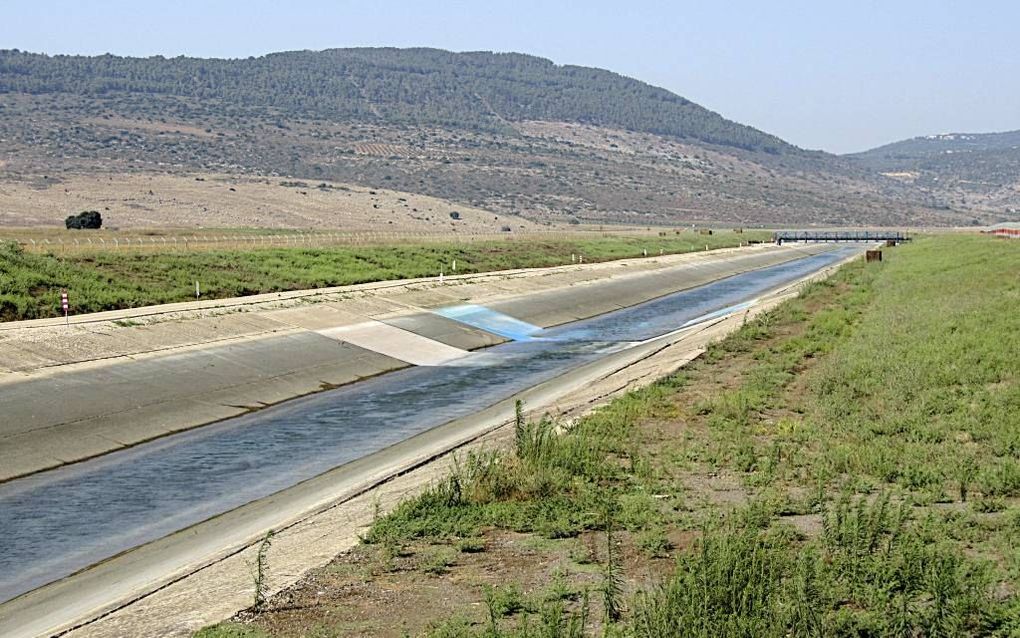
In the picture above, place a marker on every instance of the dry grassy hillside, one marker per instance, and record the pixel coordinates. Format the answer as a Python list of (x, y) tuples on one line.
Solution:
[(219, 201), (547, 172)]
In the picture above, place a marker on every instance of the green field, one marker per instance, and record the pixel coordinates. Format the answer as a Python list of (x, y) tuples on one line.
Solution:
[(30, 284), (845, 465)]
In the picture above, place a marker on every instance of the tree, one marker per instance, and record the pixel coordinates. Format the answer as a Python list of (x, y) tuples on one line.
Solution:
[(85, 219)]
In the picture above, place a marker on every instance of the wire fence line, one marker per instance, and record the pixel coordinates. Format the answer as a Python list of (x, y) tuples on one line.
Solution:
[(235, 241)]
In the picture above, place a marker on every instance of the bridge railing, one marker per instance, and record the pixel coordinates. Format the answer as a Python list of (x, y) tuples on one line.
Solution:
[(840, 235)]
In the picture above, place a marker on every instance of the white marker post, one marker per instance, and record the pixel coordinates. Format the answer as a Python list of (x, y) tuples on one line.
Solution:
[(63, 303), (198, 292), (454, 265)]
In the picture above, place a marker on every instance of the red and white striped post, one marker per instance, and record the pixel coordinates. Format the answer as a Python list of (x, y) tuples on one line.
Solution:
[(63, 302)]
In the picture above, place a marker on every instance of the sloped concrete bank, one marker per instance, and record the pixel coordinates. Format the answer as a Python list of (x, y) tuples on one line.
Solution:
[(113, 380)]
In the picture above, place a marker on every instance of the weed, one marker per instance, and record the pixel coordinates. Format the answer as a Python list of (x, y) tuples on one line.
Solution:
[(230, 630), (559, 588), (989, 505), (519, 427), (503, 601), (584, 554), (456, 627), (438, 561), (389, 551), (471, 545), (653, 543), (260, 572), (612, 579)]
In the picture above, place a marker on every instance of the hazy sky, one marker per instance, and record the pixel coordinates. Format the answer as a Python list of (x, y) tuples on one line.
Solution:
[(841, 76)]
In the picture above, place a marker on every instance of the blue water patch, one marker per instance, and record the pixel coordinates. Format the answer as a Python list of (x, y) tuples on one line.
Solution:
[(491, 321)]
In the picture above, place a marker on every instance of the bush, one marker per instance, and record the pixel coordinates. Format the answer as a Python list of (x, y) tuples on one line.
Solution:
[(504, 601), (89, 219), (471, 545)]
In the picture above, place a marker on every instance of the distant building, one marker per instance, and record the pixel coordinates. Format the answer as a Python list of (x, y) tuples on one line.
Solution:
[(1010, 230)]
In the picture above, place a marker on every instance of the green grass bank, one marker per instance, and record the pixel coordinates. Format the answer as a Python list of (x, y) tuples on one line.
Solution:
[(30, 284)]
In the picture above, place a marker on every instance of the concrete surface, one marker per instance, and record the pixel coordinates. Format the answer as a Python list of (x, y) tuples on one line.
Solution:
[(395, 342)]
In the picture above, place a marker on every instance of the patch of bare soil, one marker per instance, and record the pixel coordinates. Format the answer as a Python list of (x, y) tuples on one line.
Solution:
[(373, 591)]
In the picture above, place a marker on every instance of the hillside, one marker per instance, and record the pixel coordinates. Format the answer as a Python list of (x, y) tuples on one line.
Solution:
[(419, 87), (929, 146), (958, 169), (507, 133)]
